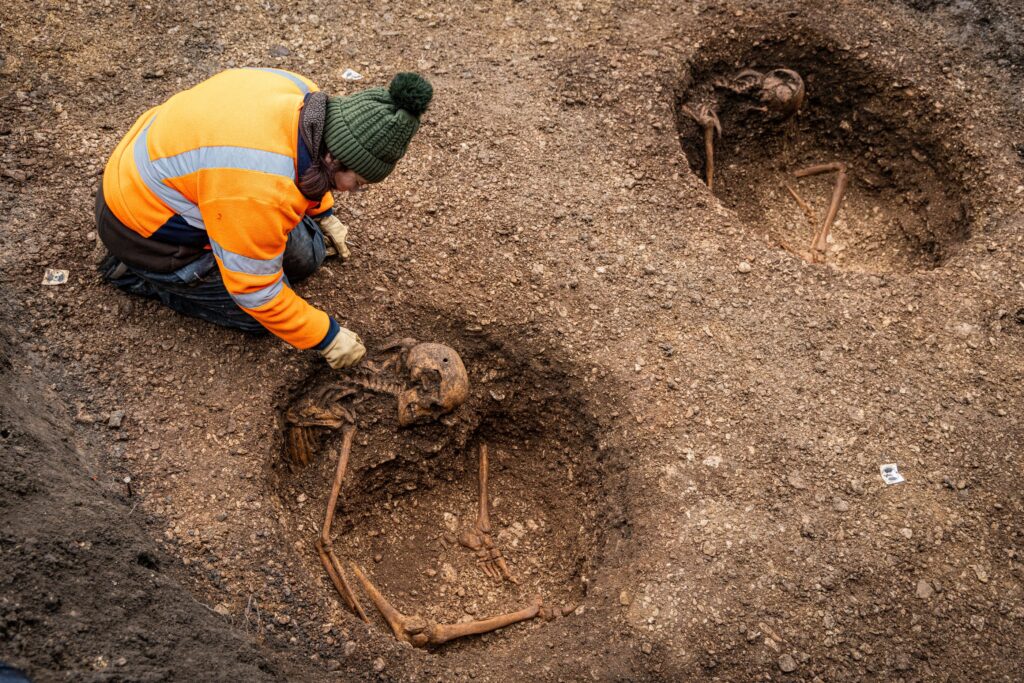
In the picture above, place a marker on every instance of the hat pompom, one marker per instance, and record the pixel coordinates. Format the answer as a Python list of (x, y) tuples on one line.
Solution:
[(411, 92)]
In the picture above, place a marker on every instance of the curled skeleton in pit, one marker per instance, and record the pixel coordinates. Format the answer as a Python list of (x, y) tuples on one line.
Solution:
[(777, 94), (427, 382)]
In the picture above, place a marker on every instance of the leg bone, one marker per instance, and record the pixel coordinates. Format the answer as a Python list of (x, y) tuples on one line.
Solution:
[(329, 560), (820, 242), (421, 632), (706, 118), (478, 538)]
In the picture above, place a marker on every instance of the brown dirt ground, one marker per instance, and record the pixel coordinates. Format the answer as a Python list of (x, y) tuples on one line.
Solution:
[(684, 453)]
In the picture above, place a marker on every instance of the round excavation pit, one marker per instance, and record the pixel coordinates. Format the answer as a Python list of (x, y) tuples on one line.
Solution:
[(903, 207), (410, 500)]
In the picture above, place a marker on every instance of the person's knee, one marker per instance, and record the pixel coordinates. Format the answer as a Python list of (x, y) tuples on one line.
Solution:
[(238, 319), (305, 251), (251, 326)]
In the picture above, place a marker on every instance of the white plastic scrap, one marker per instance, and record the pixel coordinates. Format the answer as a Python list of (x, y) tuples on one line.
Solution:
[(891, 474), (350, 75), (55, 277)]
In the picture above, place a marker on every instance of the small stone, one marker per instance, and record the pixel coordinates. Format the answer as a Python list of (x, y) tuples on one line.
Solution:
[(796, 481), (787, 664), (451, 522), (282, 619), (625, 599), (646, 648), (378, 664), (302, 498), (709, 549), (378, 557), (116, 419), (279, 51), (902, 661), (744, 267), (448, 573), (924, 590), (350, 648), (221, 516), (980, 572), (222, 609), (332, 664), (840, 505), (907, 533)]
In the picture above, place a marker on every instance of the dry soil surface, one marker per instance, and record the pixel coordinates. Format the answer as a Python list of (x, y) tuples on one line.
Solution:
[(686, 418)]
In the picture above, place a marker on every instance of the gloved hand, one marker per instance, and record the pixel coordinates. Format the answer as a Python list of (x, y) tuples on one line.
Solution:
[(335, 233), (345, 350)]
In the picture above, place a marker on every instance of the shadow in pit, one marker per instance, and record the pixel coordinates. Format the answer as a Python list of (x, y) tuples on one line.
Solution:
[(410, 492), (905, 207)]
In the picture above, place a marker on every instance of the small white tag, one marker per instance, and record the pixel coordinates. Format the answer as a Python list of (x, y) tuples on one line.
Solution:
[(891, 474), (53, 276), (350, 75)]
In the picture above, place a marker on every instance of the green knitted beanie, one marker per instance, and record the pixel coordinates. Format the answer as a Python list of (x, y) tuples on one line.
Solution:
[(370, 130)]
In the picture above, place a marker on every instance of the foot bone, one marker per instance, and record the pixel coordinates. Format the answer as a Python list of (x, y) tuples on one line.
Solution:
[(478, 537)]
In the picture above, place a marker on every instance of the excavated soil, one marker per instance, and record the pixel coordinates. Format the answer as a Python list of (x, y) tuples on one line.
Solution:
[(686, 419)]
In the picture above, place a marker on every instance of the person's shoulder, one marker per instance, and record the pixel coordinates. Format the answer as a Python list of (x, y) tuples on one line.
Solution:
[(260, 76)]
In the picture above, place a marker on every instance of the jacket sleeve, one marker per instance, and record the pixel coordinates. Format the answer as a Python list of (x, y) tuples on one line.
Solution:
[(324, 208), (248, 238)]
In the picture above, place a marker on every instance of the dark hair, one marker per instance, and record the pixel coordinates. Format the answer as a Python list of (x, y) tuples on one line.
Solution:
[(319, 177)]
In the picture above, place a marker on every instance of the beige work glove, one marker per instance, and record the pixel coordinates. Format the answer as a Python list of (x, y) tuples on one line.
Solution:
[(345, 350), (335, 234)]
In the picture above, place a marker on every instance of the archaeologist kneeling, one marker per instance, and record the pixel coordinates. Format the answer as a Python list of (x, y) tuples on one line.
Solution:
[(218, 199)]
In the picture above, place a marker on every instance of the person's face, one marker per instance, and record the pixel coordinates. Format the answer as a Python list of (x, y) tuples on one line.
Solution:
[(349, 181)]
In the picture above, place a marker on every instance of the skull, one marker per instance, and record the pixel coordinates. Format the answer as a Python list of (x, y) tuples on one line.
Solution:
[(782, 91), (437, 383)]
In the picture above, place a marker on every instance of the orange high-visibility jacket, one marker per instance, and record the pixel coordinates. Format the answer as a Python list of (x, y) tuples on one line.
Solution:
[(222, 158)]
